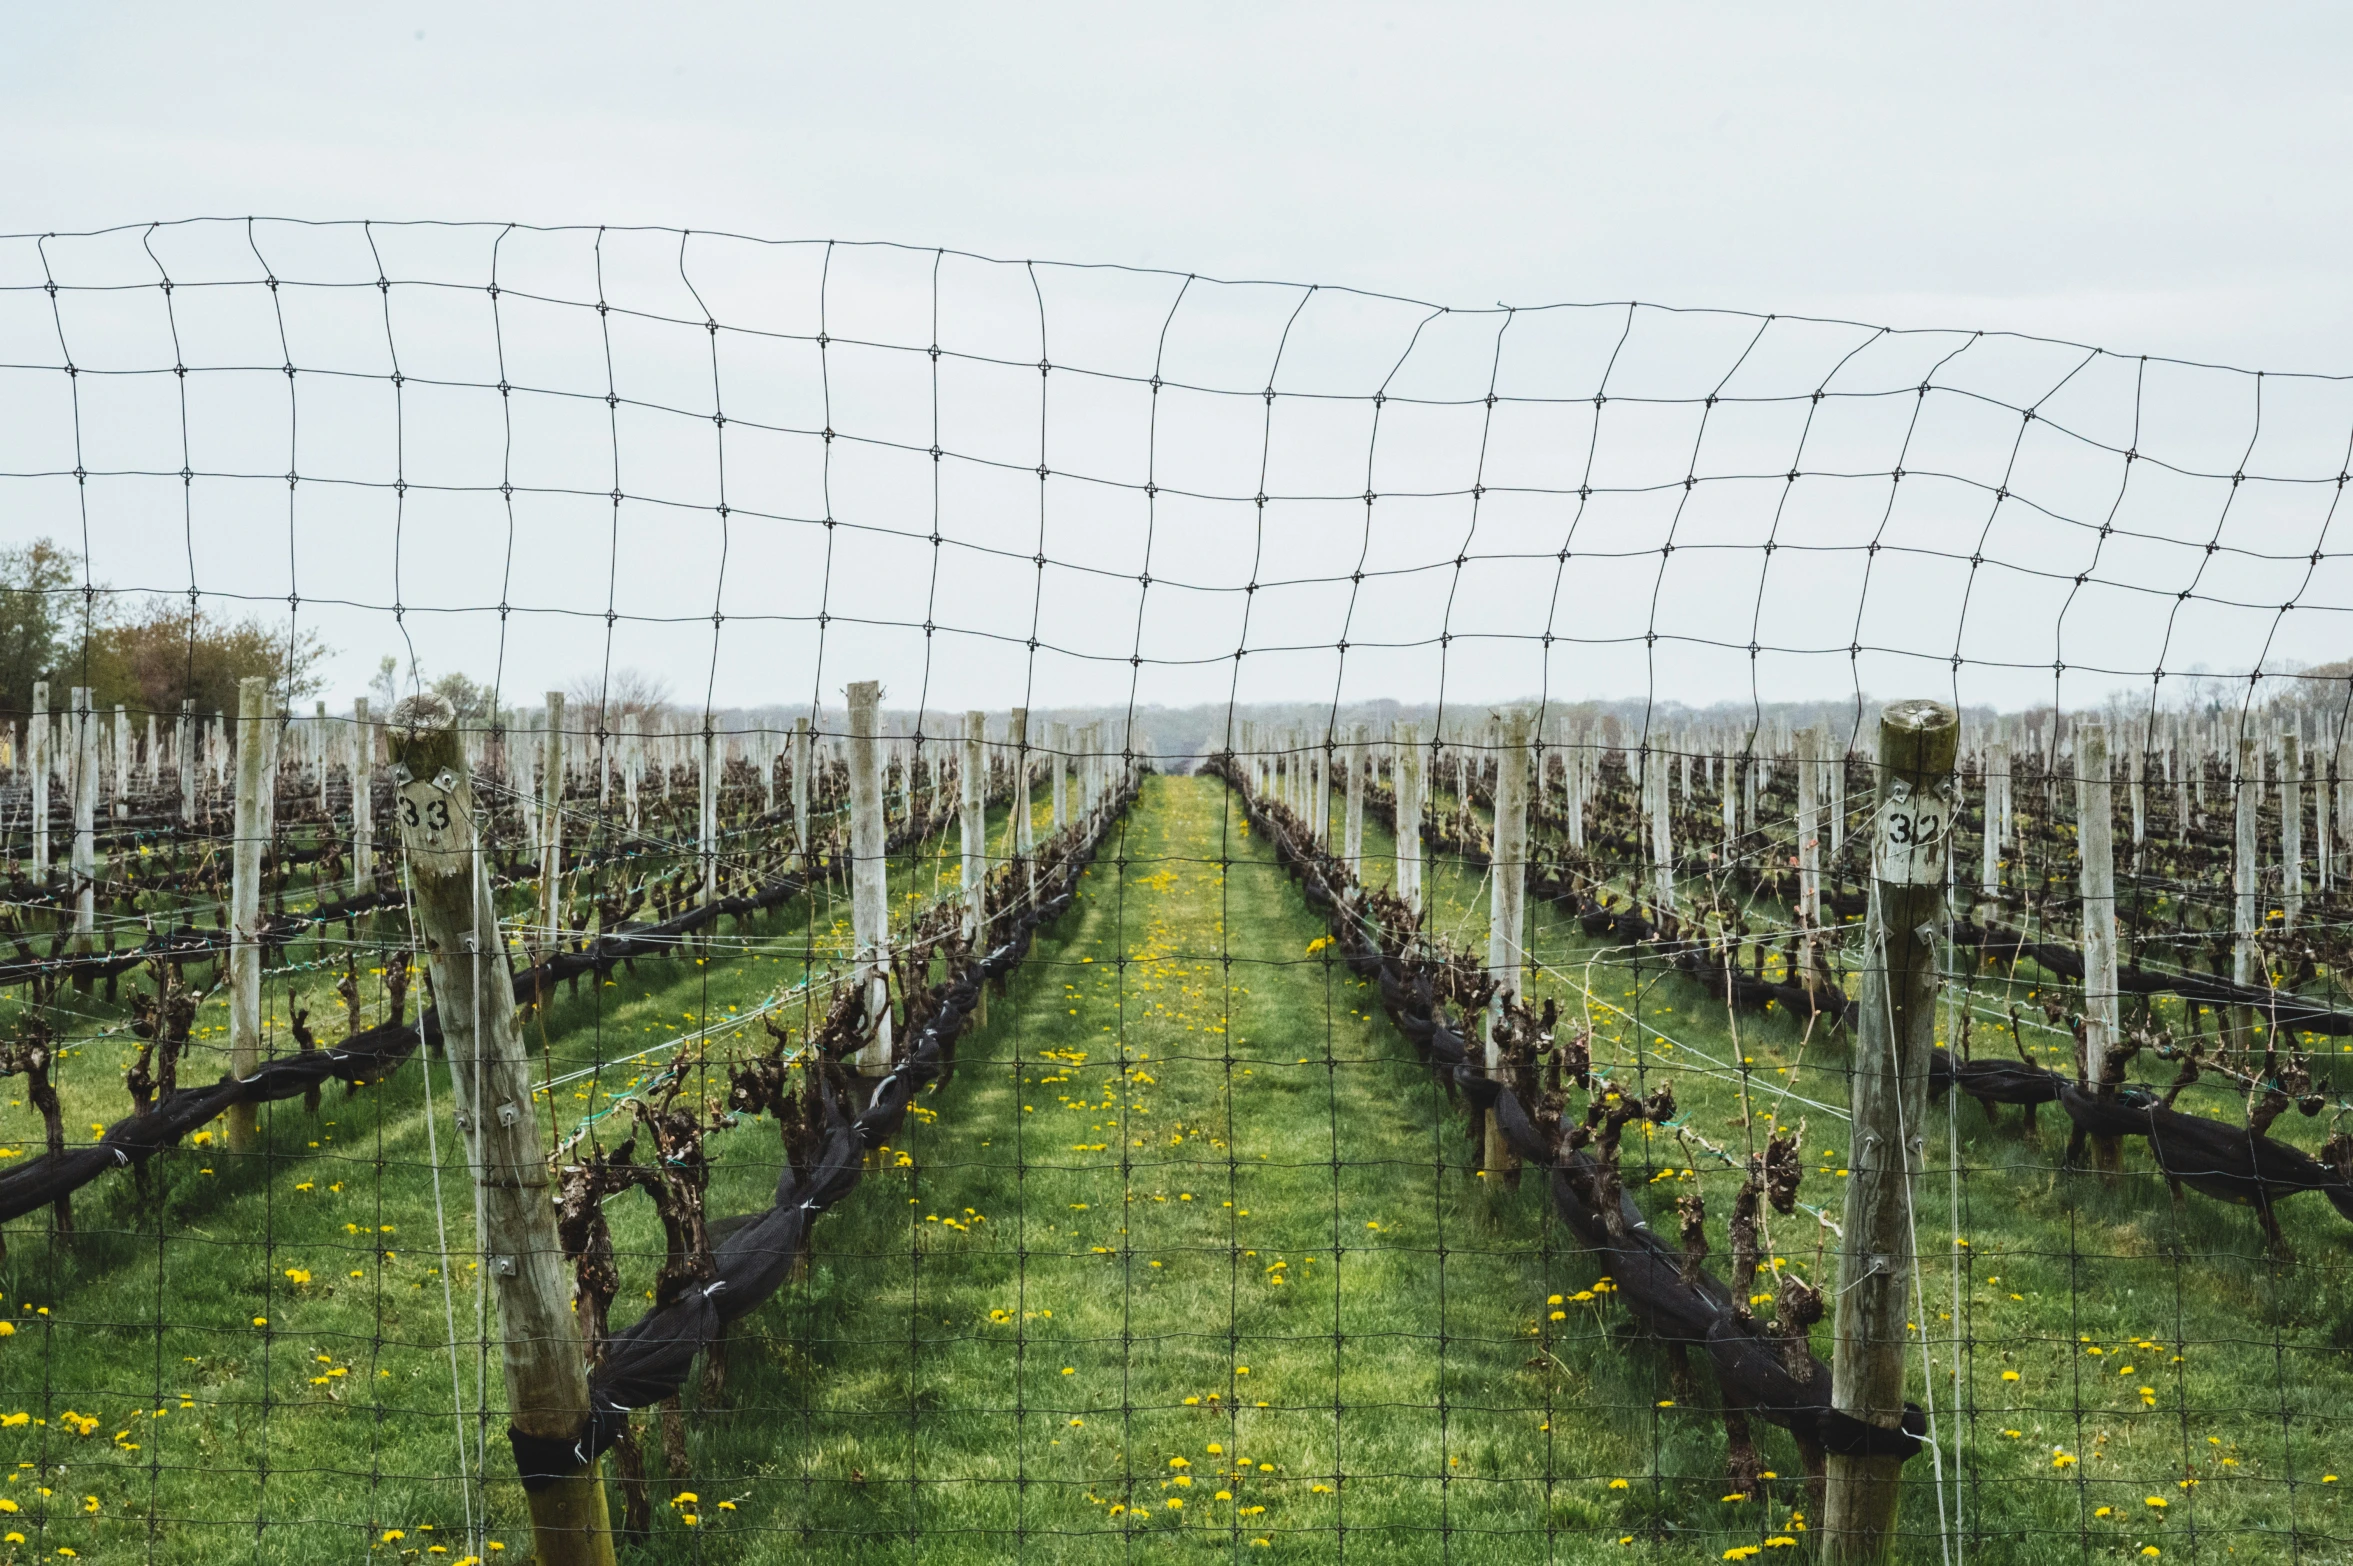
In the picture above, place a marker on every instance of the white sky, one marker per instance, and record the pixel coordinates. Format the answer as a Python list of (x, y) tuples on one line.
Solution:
[(2147, 179)]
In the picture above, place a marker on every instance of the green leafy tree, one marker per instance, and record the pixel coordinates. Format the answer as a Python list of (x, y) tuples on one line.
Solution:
[(37, 582), (151, 656)]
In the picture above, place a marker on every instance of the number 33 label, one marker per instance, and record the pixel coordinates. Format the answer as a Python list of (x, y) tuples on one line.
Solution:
[(1910, 850), (433, 825)]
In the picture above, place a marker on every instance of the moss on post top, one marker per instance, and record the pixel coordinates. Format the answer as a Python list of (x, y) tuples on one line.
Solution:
[(422, 734), (1919, 741)]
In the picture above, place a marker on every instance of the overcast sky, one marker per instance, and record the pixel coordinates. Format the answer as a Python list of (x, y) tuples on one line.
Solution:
[(2152, 178), (2143, 178)]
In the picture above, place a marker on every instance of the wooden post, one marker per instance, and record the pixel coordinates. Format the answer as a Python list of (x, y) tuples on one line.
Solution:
[(1918, 741), (546, 1373), (37, 776), (1058, 762), (870, 908), (2246, 886), (801, 758), (1408, 739), (2095, 847), (1809, 827), (707, 769), (2291, 828), (363, 798), (85, 798), (122, 762), (1360, 755), (1993, 778), (975, 781), (1023, 828), (632, 763), (1507, 905), (1662, 832), (254, 799), (551, 824)]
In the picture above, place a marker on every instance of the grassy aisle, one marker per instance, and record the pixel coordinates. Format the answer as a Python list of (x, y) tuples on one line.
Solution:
[(1176, 1272), (2124, 1374), (250, 1358)]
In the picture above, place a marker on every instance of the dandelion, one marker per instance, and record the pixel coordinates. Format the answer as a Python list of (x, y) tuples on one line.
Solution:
[(2158, 1502), (1618, 1484)]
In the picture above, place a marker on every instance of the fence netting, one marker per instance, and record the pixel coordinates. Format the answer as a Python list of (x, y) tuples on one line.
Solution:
[(1148, 915)]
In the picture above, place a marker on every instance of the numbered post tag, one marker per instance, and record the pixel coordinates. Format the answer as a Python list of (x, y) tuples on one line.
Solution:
[(436, 821), (1913, 826)]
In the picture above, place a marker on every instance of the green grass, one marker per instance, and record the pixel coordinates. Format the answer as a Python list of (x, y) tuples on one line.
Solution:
[(1175, 1038)]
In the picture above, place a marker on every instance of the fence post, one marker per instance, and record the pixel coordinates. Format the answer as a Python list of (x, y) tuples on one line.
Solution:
[(974, 781), (1809, 827), (2247, 800), (2291, 828), (870, 905), (1506, 906), (801, 751), (2095, 847), (363, 798), (37, 774), (1360, 755), (184, 740), (709, 764), (245, 856), (1408, 768), (85, 860), (1918, 741), (546, 1374), (1656, 764), (1023, 828), (1993, 770)]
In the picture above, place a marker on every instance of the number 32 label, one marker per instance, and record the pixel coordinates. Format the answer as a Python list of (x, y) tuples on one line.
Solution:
[(1910, 850)]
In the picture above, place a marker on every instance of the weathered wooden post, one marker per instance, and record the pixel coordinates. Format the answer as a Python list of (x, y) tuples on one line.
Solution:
[(1809, 827), (37, 776), (2095, 847), (122, 762), (1993, 779), (1360, 755), (2291, 828), (801, 758), (1408, 739), (85, 798), (255, 793), (870, 905), (546, 1374), (184, 733), (1058, 760), (707, 769), (1662, 832), (1023, 829), (1918, 741), (975, 781), (363, 798), (551, 824), (632, 763), (1506, 906), (2246, 877)]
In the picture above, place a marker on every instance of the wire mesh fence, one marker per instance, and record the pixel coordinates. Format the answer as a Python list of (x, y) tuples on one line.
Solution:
[(1136, 913)]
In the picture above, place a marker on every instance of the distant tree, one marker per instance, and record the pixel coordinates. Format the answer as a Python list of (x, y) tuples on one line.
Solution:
[(153, 655), (37, 581), (612, 697)]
